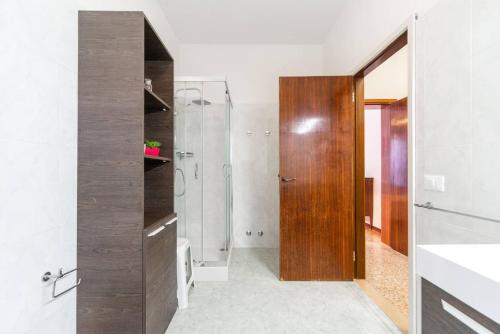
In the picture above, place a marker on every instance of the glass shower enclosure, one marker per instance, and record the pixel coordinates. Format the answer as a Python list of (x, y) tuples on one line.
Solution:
[(203, 187)]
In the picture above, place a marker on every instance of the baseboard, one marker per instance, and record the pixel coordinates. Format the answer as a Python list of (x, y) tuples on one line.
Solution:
[(373, 228)]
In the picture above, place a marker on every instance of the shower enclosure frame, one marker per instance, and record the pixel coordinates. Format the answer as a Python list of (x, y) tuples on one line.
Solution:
[(204, 269)]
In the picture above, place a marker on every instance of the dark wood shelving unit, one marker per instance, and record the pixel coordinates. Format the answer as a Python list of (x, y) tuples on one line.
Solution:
[(126, 253), (153, 103)]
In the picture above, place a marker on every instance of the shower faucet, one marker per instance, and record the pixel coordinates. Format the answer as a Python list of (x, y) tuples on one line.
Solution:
[(182, 154)]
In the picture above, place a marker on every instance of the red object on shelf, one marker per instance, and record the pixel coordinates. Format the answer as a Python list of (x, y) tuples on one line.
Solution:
[(153, 151)]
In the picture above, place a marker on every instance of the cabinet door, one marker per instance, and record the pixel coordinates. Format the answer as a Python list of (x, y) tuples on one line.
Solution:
[(444, 314), (160, 277)]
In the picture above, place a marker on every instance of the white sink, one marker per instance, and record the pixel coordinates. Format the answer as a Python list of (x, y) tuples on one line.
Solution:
[(471, 273)]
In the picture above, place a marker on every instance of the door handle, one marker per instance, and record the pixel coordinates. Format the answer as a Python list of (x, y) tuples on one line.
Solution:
[(284, 179)]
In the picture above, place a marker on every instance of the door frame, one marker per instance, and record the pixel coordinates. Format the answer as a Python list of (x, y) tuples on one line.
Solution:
[(405, 35), (389, 51)]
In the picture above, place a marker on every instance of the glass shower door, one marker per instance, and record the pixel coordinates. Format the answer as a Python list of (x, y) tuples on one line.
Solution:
[(215, 171), (189, 160), (203, 170)]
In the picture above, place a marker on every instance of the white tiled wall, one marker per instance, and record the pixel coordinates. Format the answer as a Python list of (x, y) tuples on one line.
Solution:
[(255, 159), (458, 65), (38, 152), (38, 157)]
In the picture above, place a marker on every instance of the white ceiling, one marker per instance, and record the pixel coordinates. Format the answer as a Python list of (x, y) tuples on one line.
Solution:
[(251, 21)]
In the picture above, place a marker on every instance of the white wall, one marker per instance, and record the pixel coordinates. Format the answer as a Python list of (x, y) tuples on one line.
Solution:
[(457, 133), (390, 79), (363, 28), (253, 72), (38, 154), (353, 42), (373, 159), (38, 126)]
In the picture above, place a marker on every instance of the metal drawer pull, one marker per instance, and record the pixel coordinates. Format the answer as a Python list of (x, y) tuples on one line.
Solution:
[(171, 221), (162, 227), (155, 232), (48, 276), (465, 319)]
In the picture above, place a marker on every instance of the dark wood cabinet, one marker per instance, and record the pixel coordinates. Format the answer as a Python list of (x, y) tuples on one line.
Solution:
[(128, 272), (160, 272), (437, 319)]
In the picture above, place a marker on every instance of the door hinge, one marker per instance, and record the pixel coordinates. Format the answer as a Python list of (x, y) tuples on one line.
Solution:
[(353, 97), (354, 256)]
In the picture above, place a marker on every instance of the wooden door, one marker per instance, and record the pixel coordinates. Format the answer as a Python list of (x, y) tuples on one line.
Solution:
[(395, 175), (316, 178)]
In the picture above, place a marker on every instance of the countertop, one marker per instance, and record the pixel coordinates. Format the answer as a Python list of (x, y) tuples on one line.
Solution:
[(471, 273)]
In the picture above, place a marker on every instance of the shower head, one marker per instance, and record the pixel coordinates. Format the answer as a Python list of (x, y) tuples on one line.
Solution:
[(200, 102)]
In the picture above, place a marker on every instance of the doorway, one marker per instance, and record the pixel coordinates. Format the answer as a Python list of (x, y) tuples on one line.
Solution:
[(382, 160)]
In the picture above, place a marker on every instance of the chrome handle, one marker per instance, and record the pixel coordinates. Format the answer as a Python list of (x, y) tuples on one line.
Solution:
[(196, 171), (161, 227), (171, 221), (284, 179), (465, 319), (226, 170), (155, 232), (181, 154), (183, 182)]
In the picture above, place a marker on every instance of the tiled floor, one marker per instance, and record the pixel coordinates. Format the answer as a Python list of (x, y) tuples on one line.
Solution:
[(387, 272), (255, 301)]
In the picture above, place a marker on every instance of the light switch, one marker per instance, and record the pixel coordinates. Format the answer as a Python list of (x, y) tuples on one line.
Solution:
[(434, 182)]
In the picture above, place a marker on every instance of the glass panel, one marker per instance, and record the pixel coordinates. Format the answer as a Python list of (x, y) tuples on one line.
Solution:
[(189, 159), (194, 168), (180, 146), (203, 172), (229, 174), (215, 168)]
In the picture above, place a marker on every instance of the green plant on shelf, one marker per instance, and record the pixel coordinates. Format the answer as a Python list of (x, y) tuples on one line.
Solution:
[(152, 143)]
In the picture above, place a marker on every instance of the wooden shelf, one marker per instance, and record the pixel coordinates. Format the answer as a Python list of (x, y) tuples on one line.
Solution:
[(153, 103), (155, 158)]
